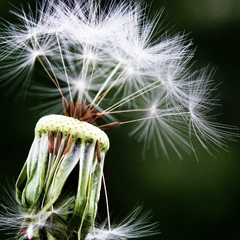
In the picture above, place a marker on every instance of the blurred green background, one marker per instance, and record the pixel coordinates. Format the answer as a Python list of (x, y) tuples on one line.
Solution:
[(190, 199)]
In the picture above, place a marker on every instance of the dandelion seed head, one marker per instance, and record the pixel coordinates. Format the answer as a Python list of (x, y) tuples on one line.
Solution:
[(113, 58), (90, 56), (153, 110), (80, 86)]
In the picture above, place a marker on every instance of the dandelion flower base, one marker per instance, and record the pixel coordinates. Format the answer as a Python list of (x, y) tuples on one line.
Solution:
[(71, 126)]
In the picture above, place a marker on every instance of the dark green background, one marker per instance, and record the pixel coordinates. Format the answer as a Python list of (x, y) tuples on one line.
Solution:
[(190, 199)]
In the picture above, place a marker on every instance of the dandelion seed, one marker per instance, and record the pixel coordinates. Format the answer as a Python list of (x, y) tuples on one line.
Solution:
[(105, 63), (135, 225)]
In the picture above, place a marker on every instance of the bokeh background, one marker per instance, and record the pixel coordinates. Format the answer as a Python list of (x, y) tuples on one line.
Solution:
[(190, 199)]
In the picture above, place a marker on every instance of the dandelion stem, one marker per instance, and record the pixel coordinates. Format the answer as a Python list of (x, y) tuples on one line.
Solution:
[(105, 84), (107, 203), (64, 67), (153, 117), (134, 95)]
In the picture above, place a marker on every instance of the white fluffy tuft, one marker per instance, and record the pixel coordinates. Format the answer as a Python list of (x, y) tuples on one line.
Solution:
[(114, 58)]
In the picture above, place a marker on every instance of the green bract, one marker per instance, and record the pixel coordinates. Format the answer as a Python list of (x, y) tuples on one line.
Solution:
[(60, 182)]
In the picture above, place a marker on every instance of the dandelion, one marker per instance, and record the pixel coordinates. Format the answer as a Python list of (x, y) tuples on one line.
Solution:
[(107, 68)]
